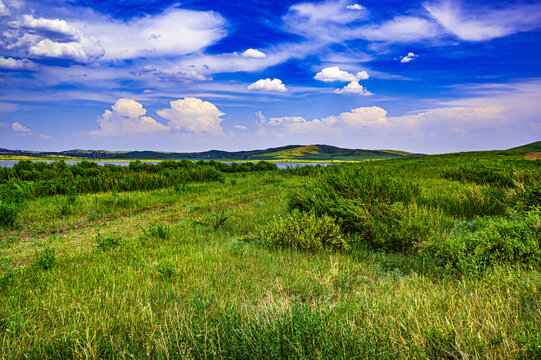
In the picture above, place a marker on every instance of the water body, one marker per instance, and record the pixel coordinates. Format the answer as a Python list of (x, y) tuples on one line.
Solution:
[(11, 163)]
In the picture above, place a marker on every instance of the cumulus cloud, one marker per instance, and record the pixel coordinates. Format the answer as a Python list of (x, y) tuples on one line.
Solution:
[(356, 119), (50, 28), (254, 53), (355, 7), (193, 115), (17, 126), (241, 127), (299, 125), (51, 38), (482, 23), (333, 73), (353, 88), (83, 52), (15, 64), (274, 85), (364, 117), (127, 117), (408, 58)]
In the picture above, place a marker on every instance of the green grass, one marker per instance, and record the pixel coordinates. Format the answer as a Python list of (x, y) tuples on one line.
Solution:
[(172, 274)]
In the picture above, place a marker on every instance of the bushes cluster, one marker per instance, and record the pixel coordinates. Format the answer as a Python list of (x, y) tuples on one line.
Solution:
[(11, 203), (513, 239), (481, 175), (43, 179), (374, 205), (303, 231)]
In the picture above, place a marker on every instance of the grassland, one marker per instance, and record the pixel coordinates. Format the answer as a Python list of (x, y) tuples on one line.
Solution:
[(190, 271)]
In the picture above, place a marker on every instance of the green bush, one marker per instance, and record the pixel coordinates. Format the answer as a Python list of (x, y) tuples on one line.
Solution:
[(481, 175), (375, 205), (303, 231), (46, 258), (11, 203), (487, 241), (107, 243), (166, 268), (160, 231), (529, 197)]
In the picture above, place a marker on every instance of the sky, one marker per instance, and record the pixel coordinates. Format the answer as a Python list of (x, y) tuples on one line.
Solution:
[(430, 76)]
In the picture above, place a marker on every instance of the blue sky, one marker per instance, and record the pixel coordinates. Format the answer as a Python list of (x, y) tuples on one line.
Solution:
[(423, 76)]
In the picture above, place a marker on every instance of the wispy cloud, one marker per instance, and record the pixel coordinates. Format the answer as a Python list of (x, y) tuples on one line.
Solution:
[(482, 22)]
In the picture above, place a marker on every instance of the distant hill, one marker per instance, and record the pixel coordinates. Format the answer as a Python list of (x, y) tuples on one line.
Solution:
[(533, 147), (284, 153)]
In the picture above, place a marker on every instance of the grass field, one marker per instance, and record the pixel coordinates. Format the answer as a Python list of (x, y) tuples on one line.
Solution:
[(193, 272)]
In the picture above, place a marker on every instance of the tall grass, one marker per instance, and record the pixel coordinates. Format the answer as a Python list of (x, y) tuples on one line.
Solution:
[(159, 274)]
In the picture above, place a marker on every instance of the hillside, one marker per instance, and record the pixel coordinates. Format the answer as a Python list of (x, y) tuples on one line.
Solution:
[(284, 153), (534, 147)]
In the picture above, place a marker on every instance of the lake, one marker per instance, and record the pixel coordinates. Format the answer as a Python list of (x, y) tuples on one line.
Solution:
[(10, 163)]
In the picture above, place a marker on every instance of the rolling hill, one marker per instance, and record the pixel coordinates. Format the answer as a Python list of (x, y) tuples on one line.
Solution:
[(285, 153)]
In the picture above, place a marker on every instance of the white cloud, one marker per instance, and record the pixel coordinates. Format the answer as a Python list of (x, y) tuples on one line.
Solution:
[(274, 85), (241, 127), (4, 11), (362, 117), (399, 29), (16, 126), (324, 21), (355, 7), (262, 118), (193, 115), (173, 32), (334, 73), (254, 53), (51, 38), (482, 23), (127, 118), (51, 28), (82, 52), (14, 64), (408, 58), (174, 74), (45, 137), (353, 88)]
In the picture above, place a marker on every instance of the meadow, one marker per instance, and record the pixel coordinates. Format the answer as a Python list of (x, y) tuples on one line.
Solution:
[(433, 257)]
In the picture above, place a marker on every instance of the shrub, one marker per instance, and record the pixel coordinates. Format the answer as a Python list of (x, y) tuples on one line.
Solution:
[(11, 203), (7, 273), (107, 243), (481, 175), (46, 258), (166, 268), (160, 231), (529, 197), (374, 205), (303, 231), (487, 241)]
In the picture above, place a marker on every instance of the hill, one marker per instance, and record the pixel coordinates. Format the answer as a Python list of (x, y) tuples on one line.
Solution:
[(284, 153), (533, 147)]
